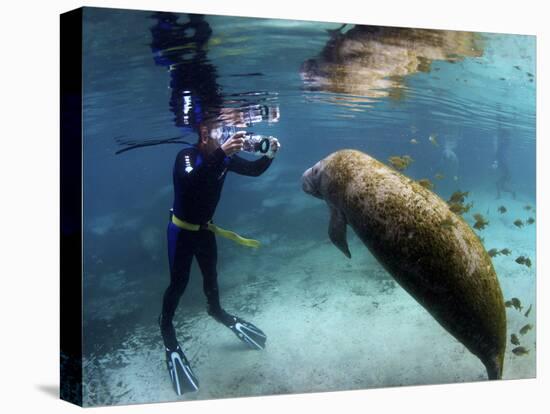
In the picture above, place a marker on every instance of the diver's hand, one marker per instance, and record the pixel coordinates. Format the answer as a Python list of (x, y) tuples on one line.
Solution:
[(274, 147), (234, 144)]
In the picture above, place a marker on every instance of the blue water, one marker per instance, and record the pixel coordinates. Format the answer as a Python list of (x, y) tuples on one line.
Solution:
[(463, 102)]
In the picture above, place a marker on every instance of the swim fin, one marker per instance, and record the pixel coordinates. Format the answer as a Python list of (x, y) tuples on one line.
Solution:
[(247, 332), (181, 374)]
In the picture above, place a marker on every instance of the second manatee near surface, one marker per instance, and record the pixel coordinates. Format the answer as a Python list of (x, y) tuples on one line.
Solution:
[(430, 251)]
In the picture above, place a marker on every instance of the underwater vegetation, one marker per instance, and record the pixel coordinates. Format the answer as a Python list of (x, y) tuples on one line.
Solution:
[(400, 163), (481, 222)]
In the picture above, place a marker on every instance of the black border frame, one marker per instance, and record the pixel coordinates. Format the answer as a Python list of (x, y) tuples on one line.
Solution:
[(71, 206)]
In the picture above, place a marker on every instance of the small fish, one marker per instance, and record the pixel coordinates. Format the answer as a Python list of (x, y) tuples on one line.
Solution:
[(517, 67), (480, 223), (439, 176), (493, 252), (529, 74), (508, 304), (459, 207), (526, 329), (514, 339), (458, 197), (433, 140), (427, 184), (520, 351), (530, 220), (527, 207), (502, 78), (524, 261), (413, 141), (518, 223), (400, 163), (516, 303), (528, 311), (506, 252), (502, 210)]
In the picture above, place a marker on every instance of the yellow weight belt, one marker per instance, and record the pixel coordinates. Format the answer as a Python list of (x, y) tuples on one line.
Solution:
[(216, 230)]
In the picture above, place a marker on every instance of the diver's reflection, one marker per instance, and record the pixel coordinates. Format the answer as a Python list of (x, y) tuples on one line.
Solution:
[(195, 93)]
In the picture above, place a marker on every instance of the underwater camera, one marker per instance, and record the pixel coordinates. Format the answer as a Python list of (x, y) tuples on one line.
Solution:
[(256, 144), (253, 143)]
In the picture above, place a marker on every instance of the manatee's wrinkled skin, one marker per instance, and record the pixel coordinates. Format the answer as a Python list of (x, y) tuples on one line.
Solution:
[(444, 267)]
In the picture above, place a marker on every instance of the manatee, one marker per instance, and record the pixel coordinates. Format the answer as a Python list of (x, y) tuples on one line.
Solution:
[(444, 267), (373, 61)]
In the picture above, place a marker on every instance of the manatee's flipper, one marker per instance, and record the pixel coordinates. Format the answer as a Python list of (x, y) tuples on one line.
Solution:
[(337, 231)]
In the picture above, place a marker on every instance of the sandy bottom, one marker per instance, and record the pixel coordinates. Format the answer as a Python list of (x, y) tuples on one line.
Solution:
[(332, 324)]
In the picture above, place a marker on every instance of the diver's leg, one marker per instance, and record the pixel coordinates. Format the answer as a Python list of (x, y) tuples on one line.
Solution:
[(180, 256), (207, 257)]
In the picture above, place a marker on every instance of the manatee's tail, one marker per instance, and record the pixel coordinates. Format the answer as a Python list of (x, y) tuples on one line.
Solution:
[(494, 366)]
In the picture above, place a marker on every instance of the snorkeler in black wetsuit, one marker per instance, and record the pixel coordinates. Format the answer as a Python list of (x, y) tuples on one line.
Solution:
[(198, 178)]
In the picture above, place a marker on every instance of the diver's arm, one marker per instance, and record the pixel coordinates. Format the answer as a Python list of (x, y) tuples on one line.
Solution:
[(191, 165), (254, 168), (250, 168)]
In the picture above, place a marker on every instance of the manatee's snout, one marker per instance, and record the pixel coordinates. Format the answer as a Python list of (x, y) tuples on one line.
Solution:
[(310, 181), (307, 185)]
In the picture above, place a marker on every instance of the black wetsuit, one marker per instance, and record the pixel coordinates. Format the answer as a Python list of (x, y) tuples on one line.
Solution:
[(198, 182)]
